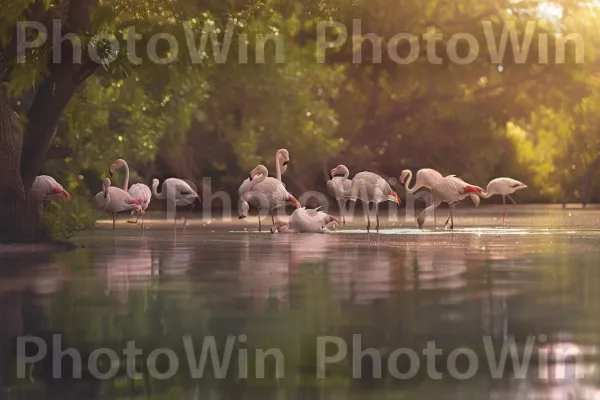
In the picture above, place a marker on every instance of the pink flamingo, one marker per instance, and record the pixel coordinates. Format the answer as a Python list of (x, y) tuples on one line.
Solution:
[(45, 188), (138, 191), (113, 200), (449, 190), (503, 187), (263, 191)]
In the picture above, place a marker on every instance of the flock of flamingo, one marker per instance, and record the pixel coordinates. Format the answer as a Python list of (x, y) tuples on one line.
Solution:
[(261, 191)]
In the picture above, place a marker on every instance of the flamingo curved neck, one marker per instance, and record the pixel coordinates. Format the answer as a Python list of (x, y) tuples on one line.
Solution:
[(278, 157), (487, 193), (126, 184), (407, 183), (155, 190)]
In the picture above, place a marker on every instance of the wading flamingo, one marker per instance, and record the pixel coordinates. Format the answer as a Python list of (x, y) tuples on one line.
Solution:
[(503, 187), (176, 190), (138, 191), (264, 192), (282, 159), (306, 221), (339, 187), (113, 200), (369, 187), (449, 190), (426, 178), (45, 188)]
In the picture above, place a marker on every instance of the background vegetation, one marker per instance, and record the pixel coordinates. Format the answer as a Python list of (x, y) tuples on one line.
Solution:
[(532, 121)]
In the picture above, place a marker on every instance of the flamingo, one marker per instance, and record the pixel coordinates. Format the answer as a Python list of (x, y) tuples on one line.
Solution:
[(138, 191), (282, 159), (113, 200), (426, 177), (306, 221), (372, 188), (45, 188), (449, 190), (176, 189), (339, 187), (504, 187), (264, 192)]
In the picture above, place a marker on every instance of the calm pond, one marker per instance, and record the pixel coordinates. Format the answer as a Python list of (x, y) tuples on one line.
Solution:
[(431, 311)]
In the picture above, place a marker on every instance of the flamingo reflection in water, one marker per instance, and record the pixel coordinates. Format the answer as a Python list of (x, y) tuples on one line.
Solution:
[(263, 276)]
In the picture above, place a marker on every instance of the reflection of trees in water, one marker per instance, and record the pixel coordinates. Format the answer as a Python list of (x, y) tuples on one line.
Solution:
[(23, 300)]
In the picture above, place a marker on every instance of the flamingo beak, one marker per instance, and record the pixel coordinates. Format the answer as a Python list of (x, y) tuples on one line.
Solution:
[(402, 181), (65, 194), (472, 189), (333, 219), (112, 168)]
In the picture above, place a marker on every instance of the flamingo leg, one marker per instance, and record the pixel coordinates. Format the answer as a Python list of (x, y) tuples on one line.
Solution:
[(259, 223), (272, 217), (368, 218), (511, 200), (342, 212), (189, 212), (114, 222), (503, 209), (376, 206)]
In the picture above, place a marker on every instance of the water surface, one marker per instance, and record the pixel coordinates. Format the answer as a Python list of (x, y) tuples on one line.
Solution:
[(534, 279)]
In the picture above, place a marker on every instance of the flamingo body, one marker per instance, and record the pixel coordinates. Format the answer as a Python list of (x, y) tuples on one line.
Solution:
[(372, 188), (113, 200), (306, 221), (263, 191), (45, 188), (340, 187), (449, 190)]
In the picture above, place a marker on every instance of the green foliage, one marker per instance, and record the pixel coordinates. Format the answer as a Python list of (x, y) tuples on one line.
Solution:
[(65, 219), (533, 121)]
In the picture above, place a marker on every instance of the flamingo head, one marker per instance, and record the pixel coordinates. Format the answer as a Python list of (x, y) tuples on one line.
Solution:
[(278, 225), (393, 196), (421, 220), (340, 169), (117, 164), (105, 185), (292, 200), (284, 157), (244, 207), (61, 192), (403, 176), (259, 170)]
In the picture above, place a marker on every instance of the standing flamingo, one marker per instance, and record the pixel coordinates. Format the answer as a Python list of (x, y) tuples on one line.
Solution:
[(339, 187), (504, 187), (113, 200), (426, 177), (45, 188), (449, 190), (264, 192), (306, 221), (372, 188), (138, 191), (282, 159), (178, 191)]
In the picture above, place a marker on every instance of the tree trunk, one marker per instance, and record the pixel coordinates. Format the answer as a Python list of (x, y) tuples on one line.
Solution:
[(19, 215)]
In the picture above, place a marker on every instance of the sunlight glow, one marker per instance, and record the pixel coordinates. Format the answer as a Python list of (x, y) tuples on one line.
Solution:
[(550, 11)]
